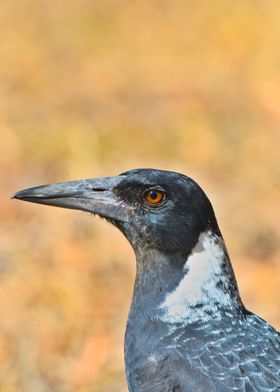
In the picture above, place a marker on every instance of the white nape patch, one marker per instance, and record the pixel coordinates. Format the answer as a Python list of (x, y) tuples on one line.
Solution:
[(199, 284)]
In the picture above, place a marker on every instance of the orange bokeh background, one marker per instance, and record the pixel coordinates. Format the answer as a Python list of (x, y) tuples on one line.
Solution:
[(96, 88)]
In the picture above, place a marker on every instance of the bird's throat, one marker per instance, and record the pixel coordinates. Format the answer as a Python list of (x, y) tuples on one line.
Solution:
[(198, 288)]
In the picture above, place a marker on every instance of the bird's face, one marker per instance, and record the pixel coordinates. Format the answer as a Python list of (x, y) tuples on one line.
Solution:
[(154, 209)]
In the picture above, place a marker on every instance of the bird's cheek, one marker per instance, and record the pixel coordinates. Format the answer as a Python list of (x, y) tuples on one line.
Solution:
[(138, 230)]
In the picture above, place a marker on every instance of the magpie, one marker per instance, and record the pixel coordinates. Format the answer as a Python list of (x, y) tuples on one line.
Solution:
[(187, 328)]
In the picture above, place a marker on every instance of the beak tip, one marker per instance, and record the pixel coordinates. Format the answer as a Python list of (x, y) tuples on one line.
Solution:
[(14, 196), (21, 195)]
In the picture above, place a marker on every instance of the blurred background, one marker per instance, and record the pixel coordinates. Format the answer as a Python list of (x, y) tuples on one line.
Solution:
[(94, 88)]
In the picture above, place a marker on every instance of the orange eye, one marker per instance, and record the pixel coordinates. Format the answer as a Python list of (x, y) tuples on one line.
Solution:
[(154, 196)]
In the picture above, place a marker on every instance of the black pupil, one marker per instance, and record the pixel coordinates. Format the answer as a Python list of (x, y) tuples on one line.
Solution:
[(153, 195)]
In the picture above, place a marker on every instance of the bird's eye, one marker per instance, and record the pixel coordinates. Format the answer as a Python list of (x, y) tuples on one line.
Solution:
[(154, 196)]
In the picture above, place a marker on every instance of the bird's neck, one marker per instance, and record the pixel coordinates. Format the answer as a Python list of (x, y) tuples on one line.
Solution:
[(175, 291), (186, 289)]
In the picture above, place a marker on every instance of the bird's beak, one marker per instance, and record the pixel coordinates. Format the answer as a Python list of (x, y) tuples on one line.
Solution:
[(94, 195)]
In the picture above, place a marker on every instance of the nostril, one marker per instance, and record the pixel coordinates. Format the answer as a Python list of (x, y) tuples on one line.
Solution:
[(98, 189)]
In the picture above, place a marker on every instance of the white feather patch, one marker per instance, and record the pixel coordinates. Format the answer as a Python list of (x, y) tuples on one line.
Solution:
[(199, 283)]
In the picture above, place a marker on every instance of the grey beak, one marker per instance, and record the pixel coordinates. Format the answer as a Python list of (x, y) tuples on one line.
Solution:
[(94, 195)]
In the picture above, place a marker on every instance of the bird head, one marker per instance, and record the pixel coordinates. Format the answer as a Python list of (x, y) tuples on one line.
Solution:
[(155, 209)]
